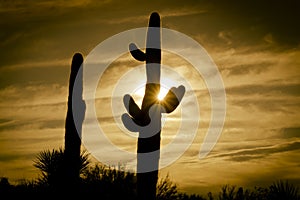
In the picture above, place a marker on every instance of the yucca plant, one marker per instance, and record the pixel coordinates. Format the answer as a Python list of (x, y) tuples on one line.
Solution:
[(283, 190), (52, 164)]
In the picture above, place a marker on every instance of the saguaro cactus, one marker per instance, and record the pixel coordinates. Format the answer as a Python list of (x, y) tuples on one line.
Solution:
[(72, 139), (147, 119)]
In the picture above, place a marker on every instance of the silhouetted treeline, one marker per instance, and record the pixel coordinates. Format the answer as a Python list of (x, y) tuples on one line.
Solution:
[(108, 183)]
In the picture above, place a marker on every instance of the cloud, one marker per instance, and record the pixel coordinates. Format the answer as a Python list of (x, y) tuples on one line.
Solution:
[(290, 132), (279, 90), (267, 98), (248, 69), (9, 158), (33, 94), (38, 64), (144, 18), (23, 5), (19, 125), (268, 106), (226, 36), (36, 73), (258, 152), (33, 107), (270, 17)]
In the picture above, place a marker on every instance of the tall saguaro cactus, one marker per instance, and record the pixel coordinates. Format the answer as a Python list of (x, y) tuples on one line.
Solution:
[(147, 119), (72, 135)]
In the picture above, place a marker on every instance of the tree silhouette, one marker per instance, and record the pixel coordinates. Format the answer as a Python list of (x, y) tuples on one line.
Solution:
[(72, 134), (147, 119)]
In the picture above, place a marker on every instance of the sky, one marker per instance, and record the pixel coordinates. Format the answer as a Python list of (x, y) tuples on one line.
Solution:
[(254, 44)]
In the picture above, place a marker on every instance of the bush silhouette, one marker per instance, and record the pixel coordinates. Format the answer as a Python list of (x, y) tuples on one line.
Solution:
[(110, 183), (105, 182)]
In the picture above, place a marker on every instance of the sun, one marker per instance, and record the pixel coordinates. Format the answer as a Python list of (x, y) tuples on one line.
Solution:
[(162, 93), (140, 92)]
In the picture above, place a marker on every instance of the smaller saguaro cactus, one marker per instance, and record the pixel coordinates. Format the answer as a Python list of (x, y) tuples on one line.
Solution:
[(147, 119), (72, 134)]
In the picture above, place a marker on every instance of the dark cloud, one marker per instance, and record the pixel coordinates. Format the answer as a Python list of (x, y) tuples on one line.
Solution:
[(262, 17), (269, 105), (291, 89), (266, 97), (33, 97), (5, 121), (34, 124), (8, 157), (244, 69), (290, 132), (52, 124), (36, 75), (57, 29), (12, 125), (245, 158)]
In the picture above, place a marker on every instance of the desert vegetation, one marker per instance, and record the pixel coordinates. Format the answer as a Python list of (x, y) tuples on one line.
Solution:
[(98, 181)]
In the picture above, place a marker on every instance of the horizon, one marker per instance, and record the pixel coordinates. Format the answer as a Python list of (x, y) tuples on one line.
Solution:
[(254, 44)]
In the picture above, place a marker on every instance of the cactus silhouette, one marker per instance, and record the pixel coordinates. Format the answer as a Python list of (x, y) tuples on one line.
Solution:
[(72, 135), (147, 119)]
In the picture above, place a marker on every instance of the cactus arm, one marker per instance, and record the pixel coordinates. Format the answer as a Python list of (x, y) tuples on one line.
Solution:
[(137, 115), (172, 99), (130, 123), (131, 107), (136, 52)]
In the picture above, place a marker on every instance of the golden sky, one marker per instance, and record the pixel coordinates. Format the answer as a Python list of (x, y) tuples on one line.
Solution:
[(255, 45)]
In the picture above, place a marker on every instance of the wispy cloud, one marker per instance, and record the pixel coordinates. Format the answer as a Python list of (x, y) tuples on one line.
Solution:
[(33, 94), (266, 90), (258, 152), (37, 64), (21, 5)]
